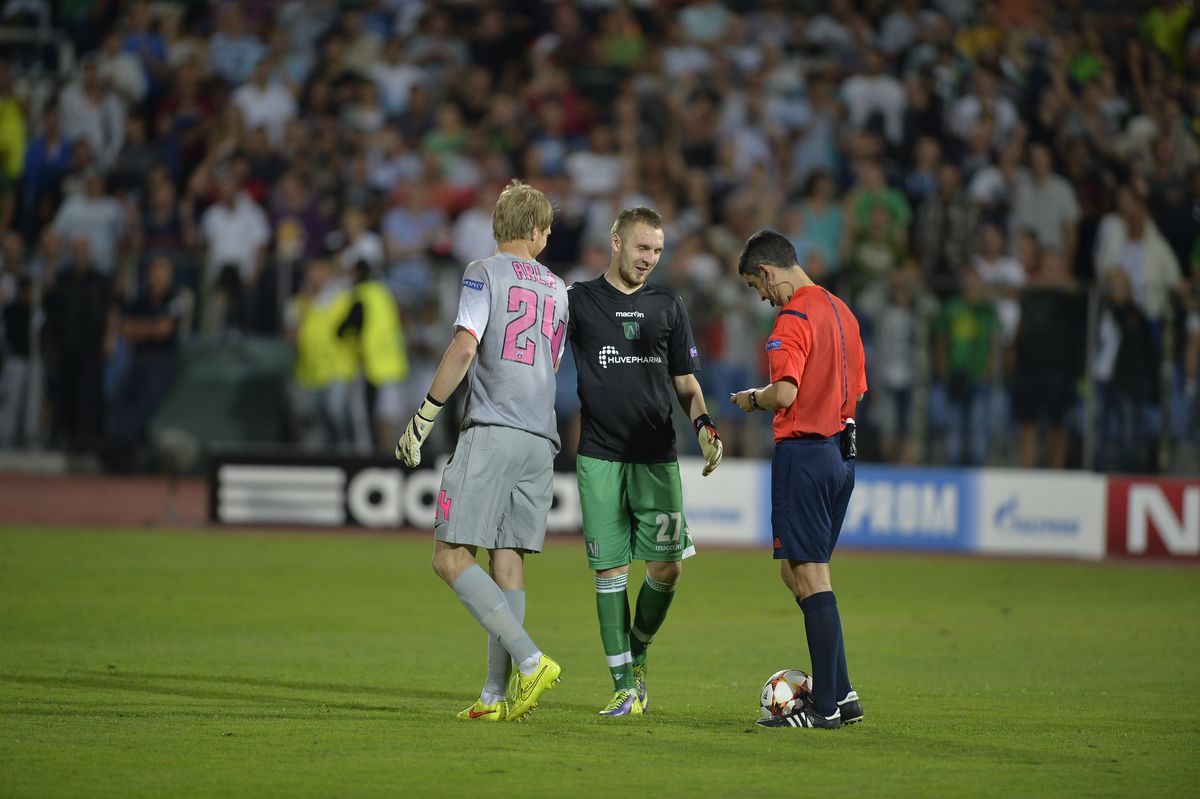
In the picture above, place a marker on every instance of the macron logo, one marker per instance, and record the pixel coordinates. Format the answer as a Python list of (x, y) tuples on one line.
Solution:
[(477, 285), (629, 315)]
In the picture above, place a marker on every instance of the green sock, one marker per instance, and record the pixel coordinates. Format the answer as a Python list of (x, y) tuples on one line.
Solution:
[(612, 606), (652, 603)]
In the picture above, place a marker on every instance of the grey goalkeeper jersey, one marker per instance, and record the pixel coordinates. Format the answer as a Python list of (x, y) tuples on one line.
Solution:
[(517, 311)]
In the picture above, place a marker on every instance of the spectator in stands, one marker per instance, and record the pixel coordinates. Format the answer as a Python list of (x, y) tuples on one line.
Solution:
[(921, 179), (233, 51), (966, 356), (1048, 359), (900, 352), (946, 231), (899, 28), (871, 191), (138, 156), (360, 243), (875, 254), (141, 40), (1003, 275), (265, 103), (91, 110), (97, 217), (364, 46), (816, 147), (876, 99), (1139, 250), (472, 234), (16, 317), (1046, 204), (395, 76), (80, 327), (409, 231), (235, 232), (16, 312), (824, 227), (598, 169), (121, 70), (325, 362), (47, 159), (150, 325), (1126, 379), (390, 162), (298, 219), (163, 227), (985, 103)]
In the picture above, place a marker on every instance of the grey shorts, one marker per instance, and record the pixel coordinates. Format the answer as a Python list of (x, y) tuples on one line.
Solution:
[(496, 490)]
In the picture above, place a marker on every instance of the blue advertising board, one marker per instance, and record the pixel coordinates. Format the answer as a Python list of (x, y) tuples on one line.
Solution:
[(908, 508)]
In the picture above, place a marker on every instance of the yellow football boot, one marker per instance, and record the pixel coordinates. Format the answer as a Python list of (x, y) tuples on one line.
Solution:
[(528, 689), (481, 712)]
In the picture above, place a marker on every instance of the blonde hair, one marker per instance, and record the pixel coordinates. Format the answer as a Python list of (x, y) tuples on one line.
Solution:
[(520, 209), (639, 214)]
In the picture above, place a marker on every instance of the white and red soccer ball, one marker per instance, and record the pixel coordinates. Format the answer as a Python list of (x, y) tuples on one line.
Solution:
[(786, 692)]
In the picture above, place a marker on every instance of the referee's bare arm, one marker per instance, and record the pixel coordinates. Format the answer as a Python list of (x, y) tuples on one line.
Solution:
[(780, 394)]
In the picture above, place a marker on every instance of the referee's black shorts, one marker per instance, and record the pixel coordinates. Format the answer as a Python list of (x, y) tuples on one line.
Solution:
[(810, 490)]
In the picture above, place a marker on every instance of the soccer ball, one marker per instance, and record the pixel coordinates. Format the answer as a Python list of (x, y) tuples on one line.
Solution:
[(786, 692)]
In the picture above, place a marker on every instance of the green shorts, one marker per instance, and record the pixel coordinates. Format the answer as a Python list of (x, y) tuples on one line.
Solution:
[(632, 511)]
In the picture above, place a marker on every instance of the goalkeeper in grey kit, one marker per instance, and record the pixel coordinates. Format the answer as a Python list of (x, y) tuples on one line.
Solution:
[(497, 488)]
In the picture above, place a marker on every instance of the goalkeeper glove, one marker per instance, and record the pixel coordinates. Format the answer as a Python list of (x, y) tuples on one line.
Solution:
[(408, 448), (710, 442)]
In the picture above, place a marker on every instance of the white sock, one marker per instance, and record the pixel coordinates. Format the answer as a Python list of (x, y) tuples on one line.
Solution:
[(490, 699), (529, 665)]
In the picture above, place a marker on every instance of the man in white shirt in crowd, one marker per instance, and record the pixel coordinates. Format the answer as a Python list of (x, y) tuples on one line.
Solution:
[(1137, 248), (265, 104), (235, 230), (873, 92), (97, 217), (1045, 203), (1004, 275)]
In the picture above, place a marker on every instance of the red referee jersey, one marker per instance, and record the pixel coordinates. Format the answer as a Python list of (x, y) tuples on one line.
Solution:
[(816, 345)]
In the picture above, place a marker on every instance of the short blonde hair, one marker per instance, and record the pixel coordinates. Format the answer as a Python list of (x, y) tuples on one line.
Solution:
[(638, 215), (520, 209)]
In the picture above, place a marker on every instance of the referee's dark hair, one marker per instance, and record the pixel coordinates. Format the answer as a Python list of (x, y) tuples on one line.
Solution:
[(766, 247)]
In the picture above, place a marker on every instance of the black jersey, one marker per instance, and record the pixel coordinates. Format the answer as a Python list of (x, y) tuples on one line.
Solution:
[(627, 348)]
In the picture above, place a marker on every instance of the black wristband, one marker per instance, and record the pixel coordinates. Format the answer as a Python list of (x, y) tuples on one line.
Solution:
[(754, 399), (702, 421), (429, 398)]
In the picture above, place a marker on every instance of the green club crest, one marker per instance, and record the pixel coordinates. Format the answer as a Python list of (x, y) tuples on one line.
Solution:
[(632, 330)]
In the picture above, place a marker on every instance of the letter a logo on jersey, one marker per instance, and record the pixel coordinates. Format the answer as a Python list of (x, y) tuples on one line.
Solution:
[(632, 330)]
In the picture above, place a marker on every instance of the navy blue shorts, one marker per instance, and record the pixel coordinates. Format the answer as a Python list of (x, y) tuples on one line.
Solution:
[(810, 490)]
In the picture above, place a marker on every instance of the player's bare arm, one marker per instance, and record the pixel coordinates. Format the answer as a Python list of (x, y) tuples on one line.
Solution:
[(691, 399), (780, 394), (454, 365), (450, 373)]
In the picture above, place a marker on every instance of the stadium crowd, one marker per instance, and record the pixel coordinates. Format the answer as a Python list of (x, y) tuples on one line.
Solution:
[(1006, 192)]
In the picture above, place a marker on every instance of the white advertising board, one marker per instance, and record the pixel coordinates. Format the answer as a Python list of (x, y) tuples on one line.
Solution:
[(1031, 512)]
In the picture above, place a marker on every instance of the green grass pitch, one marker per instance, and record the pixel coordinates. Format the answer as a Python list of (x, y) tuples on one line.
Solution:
[(271, 664)]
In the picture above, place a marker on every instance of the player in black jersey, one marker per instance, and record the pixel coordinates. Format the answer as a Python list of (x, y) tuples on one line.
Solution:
[(633, 349)]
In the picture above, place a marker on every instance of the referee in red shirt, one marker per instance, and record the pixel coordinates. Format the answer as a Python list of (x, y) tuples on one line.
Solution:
[(818, 376)]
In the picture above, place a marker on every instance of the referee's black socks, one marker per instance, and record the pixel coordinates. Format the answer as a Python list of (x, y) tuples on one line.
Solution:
[(823, 628)]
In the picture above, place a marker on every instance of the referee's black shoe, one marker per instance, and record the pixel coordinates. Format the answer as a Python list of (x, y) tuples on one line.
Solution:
[(851, 709), (806, 717)]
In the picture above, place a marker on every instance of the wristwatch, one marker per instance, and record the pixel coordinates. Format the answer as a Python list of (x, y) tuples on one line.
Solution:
[(754, 399)]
